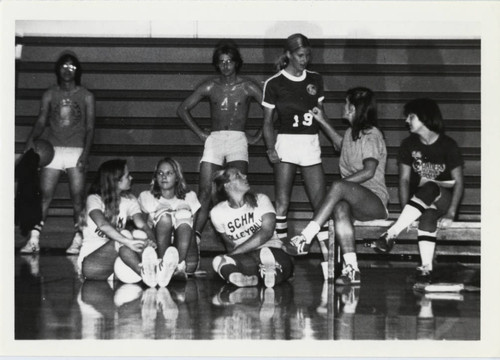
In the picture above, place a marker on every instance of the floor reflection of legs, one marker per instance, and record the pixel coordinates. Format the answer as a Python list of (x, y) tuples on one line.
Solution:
[(97, 309)]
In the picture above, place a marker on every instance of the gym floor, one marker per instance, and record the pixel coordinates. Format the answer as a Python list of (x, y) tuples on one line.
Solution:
[(52, 302)]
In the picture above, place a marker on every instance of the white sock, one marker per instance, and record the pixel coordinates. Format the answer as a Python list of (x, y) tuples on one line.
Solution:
[(407, 217), (426, 248), (310, 231), (351, 259)]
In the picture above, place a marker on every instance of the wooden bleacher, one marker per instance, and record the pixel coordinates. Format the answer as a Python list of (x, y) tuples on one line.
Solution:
[(138, 84)]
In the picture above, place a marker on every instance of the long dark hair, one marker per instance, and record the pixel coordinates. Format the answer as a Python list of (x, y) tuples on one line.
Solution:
[(105, 185), (180, 183), (227, 47), (63, 59), (292, 44), (428, 112), (219, 193), (365, 117)]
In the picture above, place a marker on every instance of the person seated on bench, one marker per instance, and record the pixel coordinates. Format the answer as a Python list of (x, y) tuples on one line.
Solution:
[(430, 182), (361, 194)]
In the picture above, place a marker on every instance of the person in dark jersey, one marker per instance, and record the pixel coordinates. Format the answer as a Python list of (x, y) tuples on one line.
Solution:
[(361, 194), (291, 94), (430, 182), (229, 96), (246, 223), (68, 112)]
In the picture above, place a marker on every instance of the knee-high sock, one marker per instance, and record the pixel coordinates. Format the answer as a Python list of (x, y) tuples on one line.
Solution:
[(351, 259), (311, 230), (281, 227), (427, 246), (411, 212)]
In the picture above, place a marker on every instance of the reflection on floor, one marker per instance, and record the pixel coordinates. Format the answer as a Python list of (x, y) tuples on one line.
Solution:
[(52, 302)]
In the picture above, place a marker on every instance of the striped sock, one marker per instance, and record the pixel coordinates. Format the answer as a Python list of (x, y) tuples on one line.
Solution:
[(426, 247), (281, 227)]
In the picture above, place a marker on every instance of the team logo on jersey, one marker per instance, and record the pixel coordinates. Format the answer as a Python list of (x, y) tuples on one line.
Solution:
[(311, 89)]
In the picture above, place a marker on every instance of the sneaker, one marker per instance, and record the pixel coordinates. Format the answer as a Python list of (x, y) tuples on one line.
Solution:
[(268, 267), (383, 245), (297, 246), (33, 244), (148, 266), (423, 275), (167, 266), (349, 276), (76, 244), (180, 272), (241, 280)]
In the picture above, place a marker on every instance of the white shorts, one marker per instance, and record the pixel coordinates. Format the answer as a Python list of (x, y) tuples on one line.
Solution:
[(225, 146), (65, 157), (302, 150)]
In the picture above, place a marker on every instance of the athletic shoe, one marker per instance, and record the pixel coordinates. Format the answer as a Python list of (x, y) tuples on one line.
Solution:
[(76, 244), (383, 245), (241, 280), (148, 266), (31, 247), (297, 246), (349, 276), (268, 267), (180, 271), (423, 275), (167, 266)]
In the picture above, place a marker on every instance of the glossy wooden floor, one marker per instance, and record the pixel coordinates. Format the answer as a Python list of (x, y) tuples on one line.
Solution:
[(51, 302)]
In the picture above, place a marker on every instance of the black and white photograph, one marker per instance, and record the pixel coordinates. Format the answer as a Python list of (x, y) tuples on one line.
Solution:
[(268, 178)]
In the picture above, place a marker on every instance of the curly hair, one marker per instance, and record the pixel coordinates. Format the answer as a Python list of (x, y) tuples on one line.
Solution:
[(181, 188)]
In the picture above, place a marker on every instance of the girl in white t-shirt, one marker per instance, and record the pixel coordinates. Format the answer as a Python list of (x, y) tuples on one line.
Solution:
[(170, 208), (108, 206), (246, 222)]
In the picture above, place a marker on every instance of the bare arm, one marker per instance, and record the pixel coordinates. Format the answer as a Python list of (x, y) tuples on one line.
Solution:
[(260, 237), (319, 115), (98, 217), (268, 131), (368, 171), (458, 189), (256, 94), (89, 131), (183, 111), (404, 184), (41, 121), (139, 222)]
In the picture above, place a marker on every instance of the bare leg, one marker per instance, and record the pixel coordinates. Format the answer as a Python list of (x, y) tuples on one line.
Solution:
[(182, 240), (48, 183), (284, 175), (344, 229), (77, 188), (100, 264), (131, 258), (163, 231), (314, 181), (204, 193)]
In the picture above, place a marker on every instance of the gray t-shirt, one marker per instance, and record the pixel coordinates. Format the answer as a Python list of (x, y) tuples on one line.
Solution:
[(371, 144)]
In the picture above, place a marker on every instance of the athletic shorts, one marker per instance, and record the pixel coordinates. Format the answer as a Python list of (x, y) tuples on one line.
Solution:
[(302, 150), (225, 146), (65, 158)]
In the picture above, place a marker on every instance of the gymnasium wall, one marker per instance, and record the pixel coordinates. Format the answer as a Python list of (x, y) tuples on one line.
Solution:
[(138, 82)]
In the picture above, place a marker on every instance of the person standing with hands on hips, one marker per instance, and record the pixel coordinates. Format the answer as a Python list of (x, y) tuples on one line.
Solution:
[(69, 111), (292, 93), (229, 96)]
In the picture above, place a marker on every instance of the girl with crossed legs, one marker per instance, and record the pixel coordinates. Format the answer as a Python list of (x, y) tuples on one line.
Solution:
[(361, 194)]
